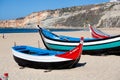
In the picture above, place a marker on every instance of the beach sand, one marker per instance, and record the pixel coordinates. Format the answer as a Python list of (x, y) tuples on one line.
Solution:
[(88, 68)]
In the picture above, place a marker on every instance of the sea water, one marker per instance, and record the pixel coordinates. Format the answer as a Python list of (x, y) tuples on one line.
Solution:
[(32, 30), (17, 30)]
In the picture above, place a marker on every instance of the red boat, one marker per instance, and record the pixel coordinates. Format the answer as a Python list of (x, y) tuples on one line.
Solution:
[(97, 33)]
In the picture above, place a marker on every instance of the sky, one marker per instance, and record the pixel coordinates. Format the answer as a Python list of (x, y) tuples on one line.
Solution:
[(11, 9)]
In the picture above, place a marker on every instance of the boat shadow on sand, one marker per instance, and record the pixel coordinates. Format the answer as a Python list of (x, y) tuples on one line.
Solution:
[(80, 64)]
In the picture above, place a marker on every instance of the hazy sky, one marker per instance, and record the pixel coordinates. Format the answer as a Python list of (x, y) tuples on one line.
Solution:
[(11, 9)]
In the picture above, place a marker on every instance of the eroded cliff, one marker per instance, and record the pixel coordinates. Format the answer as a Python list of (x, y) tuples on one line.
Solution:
[(99, 15)]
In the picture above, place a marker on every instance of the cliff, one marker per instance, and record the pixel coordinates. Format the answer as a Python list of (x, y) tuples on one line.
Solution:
[(98, 15)]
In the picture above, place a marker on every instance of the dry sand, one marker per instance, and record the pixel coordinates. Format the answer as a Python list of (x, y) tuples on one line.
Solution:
[(93, 67)]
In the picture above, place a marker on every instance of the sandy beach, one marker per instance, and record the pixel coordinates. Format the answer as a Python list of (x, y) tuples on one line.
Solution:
[(88, 68)]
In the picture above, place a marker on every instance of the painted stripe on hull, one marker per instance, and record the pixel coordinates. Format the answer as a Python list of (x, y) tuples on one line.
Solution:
[(39, 58), (102, 46), (59, 47), (112, 50), (60, 42), (46, 65), (97, 33), (85, 43), (91, 47)]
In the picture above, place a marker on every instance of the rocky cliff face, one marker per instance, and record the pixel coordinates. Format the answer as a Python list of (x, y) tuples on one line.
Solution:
[(99, 15)]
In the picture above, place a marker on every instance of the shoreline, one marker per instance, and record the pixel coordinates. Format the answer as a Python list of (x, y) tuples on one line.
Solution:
[(35, 30)]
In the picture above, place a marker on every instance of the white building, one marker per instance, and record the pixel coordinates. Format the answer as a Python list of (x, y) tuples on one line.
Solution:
[(114, 0)]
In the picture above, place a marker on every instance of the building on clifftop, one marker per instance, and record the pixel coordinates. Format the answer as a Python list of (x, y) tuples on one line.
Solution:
[(114, 0)]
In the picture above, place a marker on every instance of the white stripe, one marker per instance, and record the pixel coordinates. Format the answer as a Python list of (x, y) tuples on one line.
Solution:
[(85, 43), (58, 42), (38, 58), (102, 41)]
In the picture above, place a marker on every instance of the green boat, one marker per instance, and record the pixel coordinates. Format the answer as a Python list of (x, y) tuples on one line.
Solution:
[(94, 46)]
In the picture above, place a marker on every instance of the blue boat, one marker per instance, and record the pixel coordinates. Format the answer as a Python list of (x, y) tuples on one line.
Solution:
[(27, 56), (93, 46)]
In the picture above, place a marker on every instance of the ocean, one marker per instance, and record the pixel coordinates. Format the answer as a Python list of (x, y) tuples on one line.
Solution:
[(17, 30), (31, 30)]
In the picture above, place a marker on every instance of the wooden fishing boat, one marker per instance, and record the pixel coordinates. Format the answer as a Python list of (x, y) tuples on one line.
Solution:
[(28, 56), (95, 46), (97, 33)]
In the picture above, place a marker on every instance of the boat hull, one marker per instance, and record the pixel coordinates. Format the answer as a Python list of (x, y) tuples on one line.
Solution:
[(107, 51), (46, 65), (92, 49), (97, 33), (99, 46), (28, 56), (109, 45)]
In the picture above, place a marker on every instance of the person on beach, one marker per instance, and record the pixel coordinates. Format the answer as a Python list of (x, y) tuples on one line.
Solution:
[(3, 36)]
